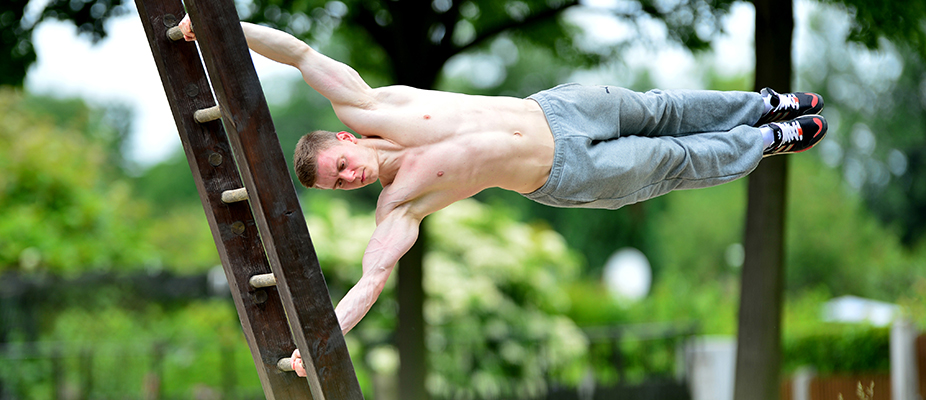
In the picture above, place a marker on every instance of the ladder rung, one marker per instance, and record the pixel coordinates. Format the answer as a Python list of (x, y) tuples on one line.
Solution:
[(174, 33), (207, 114), (285, 364), (263, 280), (234, 195)]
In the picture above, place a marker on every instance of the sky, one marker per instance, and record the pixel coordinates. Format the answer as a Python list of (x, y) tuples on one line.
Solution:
[(120, 69)]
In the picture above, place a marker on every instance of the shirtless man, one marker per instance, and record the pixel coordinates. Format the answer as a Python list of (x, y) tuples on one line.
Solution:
[(571, 146)]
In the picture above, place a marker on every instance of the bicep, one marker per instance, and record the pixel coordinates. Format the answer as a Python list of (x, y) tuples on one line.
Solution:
[(335, 80), (338, 82)]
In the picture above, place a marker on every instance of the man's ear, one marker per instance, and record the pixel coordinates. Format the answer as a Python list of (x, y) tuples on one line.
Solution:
[(346, 136)]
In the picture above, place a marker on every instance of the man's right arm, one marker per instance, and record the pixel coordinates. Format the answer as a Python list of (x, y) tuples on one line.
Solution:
[(338, 82)]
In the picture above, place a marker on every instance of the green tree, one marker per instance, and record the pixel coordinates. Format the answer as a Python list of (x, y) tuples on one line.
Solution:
[(410, 42), (899, 21), (758, 353), (496, 299), (759, 344), (17, 26), (62, 209), (878, 109)]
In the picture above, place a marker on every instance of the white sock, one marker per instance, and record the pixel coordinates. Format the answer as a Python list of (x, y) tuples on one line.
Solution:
[(768, 137)]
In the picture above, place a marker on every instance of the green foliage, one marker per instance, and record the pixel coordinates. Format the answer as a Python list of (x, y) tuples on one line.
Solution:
[(124, 352), (59, 209), (168, 184), (594, 234), (520, 67), (875, 106), (834, 247), (897, 20), (495, 300), (698, 228), (833, 240), (410, 42), (107, 127), (913, 303), (501, 333), (692, 23), (839, 349), (66, 208), (183, 239)]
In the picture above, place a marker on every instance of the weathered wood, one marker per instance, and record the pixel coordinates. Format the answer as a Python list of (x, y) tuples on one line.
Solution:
[(273, 201), (212, 163)]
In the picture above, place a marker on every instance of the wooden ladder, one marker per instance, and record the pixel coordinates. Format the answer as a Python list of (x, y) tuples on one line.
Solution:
[(266, 251)]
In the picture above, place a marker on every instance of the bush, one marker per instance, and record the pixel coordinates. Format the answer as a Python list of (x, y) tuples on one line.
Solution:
[(840, 349), (60, 211), (495, 298)]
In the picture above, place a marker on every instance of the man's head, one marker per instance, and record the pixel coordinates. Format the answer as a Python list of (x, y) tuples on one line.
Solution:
[(329, 160), (305, 160)]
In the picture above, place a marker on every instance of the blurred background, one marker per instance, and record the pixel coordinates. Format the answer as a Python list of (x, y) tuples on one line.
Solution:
[(111, 286)]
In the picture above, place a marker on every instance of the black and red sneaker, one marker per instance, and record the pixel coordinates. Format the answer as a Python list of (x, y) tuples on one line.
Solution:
[(789, 105), (796, 135)]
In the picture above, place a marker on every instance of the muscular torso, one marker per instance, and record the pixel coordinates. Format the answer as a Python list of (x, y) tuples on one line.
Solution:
[(455, 145)]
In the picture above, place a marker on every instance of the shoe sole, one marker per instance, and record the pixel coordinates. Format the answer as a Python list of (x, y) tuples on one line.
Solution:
[(817, 137)]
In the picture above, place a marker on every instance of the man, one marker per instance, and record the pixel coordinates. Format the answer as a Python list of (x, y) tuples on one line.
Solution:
[(570, 146)]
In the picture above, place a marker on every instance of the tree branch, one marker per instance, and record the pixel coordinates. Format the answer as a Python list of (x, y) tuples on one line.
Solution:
[(530, 20)]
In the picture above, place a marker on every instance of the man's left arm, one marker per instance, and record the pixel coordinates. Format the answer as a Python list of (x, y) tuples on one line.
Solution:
[(393, 237)]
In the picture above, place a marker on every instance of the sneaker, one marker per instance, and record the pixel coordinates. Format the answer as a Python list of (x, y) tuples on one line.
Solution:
[(789, 105), (797, 135)]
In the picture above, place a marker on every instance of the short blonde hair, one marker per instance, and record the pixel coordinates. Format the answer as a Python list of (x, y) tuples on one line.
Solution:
[(305, 161)]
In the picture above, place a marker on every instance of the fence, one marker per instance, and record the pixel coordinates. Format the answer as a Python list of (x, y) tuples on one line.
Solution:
[(630, 362), (147, 369), (874, 386), (847, 386)]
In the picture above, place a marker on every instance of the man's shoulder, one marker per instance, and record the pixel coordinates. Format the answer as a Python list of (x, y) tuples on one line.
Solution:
[(401, 95), (397, 92)]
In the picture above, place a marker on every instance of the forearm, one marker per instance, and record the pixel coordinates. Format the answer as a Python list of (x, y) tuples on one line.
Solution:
[(378, 262), (357, 303), (391, 240)]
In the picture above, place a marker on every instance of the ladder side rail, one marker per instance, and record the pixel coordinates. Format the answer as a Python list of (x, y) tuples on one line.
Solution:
[(235, 233), (273, 200)]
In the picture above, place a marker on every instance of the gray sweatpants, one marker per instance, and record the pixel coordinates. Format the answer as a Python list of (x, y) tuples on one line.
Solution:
[(615, 147)]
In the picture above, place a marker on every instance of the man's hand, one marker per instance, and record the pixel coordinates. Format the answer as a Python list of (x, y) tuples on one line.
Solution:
[(297, 363), (186, 26)]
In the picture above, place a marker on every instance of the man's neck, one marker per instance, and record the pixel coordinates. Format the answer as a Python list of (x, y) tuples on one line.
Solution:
[(389, 156)]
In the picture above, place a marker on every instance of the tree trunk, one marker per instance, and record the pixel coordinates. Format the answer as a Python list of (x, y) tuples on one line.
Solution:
[(414, 65), (758, 356), (410, 332)]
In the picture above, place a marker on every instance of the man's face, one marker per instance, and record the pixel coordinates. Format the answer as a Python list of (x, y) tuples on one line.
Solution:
[(346, 165)]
